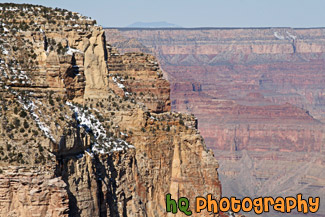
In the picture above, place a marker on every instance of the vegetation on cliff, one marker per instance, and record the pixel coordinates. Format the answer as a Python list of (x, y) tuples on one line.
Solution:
[(93, 127)]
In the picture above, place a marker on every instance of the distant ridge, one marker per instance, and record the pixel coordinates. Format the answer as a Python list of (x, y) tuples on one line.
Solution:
[(161, 24), (208, 28)]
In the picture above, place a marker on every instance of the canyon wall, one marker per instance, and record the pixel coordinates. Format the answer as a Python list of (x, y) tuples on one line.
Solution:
[(259, 97), (86, 131)]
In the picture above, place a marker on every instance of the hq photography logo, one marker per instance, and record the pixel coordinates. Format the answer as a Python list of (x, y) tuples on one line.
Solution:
[(258, 205)]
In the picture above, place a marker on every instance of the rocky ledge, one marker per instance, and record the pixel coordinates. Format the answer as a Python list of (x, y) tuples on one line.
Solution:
[(85, 131), (259, 98)]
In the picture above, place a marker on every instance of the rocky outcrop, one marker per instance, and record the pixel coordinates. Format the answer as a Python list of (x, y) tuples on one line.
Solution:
[(258, 95), (31, 192), (89, 132), (135, 182), (139, 74), (247, 78), (57, 58)]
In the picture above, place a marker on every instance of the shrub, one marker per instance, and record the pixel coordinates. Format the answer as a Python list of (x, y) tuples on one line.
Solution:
[(16, 110), (40, 148), (181, 122), (16, 122), (23, 114), (51, 100), (26, 125), (8, 147)]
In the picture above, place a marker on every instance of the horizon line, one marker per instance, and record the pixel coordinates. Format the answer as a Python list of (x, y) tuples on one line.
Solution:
[(199, 28)]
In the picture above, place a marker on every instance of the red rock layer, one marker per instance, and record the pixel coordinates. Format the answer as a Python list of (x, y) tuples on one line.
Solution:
[(267, 79), (139, 75), (259, 97)]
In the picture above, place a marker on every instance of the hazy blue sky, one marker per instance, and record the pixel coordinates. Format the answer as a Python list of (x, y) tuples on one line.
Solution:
[(198, 13)]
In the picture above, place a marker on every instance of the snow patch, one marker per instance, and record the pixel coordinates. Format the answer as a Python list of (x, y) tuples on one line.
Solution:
[(118, 84), (278, 36), (5, 52), (31, 107), (124, 134), (103, 144), (71, 51), (153, 118), (291, 36)]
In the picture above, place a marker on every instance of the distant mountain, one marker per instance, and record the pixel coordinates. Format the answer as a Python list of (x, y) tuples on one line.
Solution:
[(162, 24)]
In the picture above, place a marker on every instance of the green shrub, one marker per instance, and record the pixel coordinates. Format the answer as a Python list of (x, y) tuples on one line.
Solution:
[(8, 147), (23, 114), (40, 148), (16, 110), (26, 125), (181, 122), (16, 122)]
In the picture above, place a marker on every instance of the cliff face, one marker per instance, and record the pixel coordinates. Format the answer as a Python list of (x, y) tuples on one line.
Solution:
[(86, 131), (259, 98), (27, 191), (139, 74)]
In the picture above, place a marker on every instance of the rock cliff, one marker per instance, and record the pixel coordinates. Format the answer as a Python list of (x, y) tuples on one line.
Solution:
[(258, 95), (86, 131)]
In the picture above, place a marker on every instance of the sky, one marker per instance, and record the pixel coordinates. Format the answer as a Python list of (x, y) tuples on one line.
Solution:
[(198, 13)]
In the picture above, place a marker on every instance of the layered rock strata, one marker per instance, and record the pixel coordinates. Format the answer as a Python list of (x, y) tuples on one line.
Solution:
[(73, 142), (259, 98)]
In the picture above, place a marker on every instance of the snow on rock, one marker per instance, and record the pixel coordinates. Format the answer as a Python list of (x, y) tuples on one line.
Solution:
[(12, 9), (23, 75), (30, 106), (71, 51), (118, 84), (278, 36), (5, 52), (103, 144), (124, 134), (153, 118), (291, 36)]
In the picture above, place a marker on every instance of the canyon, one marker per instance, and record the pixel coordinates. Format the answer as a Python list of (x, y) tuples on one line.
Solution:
[(259, 97), (87, 131)]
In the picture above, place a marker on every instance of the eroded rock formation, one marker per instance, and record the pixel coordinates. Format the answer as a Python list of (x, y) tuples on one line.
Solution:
[(86, 131), (259, 98)]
